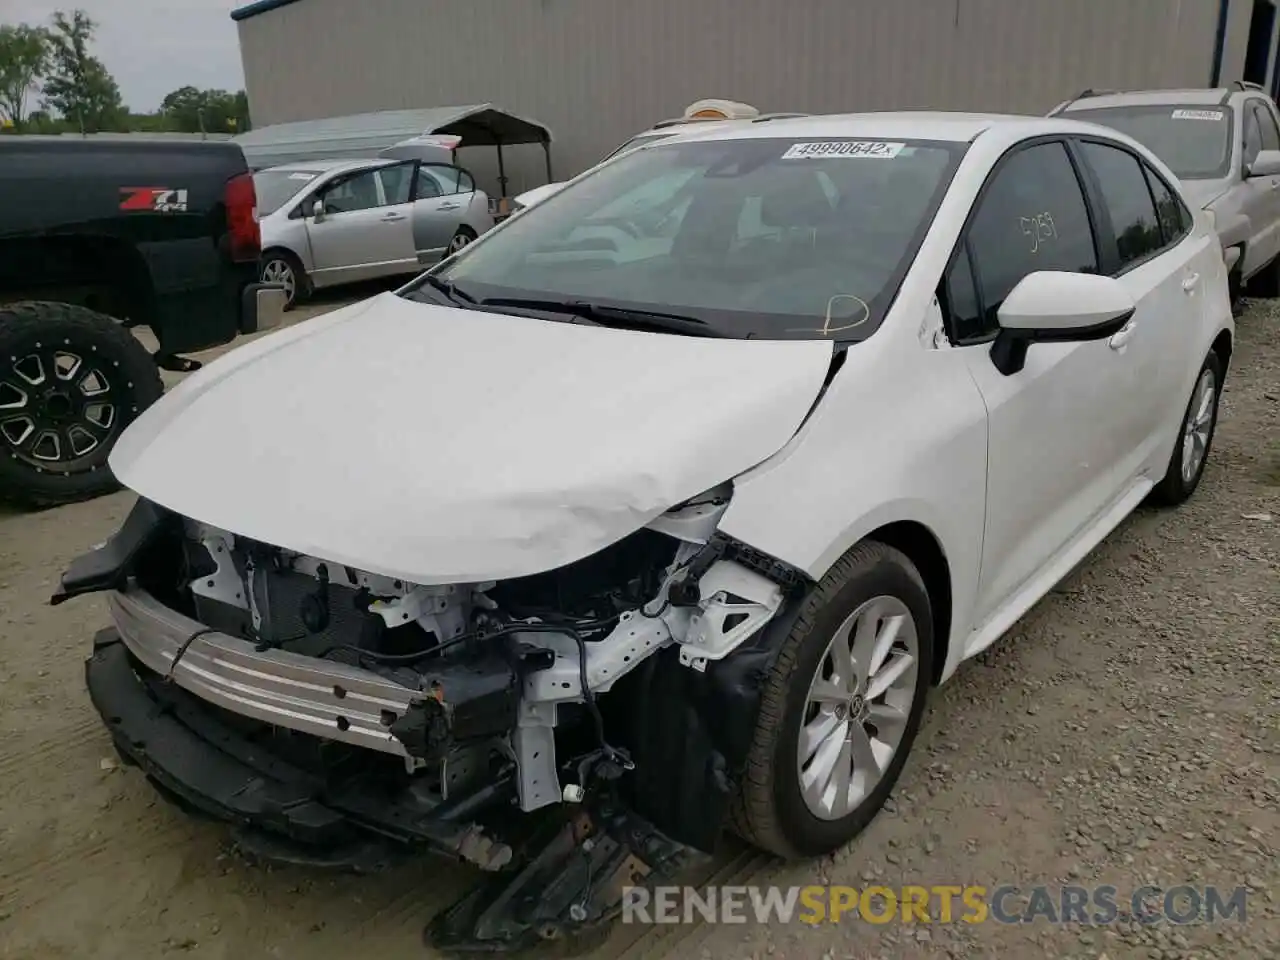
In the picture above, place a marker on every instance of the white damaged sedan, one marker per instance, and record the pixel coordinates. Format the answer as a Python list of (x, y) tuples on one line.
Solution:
[(659, 509)]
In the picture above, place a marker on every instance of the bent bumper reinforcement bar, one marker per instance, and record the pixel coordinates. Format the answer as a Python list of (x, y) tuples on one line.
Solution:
[(285, 813), (319, 697)]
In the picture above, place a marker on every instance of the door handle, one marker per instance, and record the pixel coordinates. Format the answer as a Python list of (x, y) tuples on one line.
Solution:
[(1190, 283), (449, 206), (1122, 336), (393, 217)]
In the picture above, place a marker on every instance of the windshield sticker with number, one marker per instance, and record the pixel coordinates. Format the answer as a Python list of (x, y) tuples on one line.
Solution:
[(1198, 115), (873, 149)]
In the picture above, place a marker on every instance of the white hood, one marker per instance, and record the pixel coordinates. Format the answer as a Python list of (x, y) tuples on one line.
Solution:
[(441, 445)]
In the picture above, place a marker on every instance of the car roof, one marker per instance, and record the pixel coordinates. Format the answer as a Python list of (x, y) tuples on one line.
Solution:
[(328, 166), (1155, 98), (908, 124)]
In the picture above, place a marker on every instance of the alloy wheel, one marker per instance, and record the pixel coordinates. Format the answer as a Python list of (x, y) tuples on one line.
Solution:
[(459, 241), (857, 707), (57, 407), (281, 272), (1198, 429)]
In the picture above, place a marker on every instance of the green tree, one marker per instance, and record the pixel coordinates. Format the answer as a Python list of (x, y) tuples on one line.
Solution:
[(24, 56), (192, 110), (79, 85)]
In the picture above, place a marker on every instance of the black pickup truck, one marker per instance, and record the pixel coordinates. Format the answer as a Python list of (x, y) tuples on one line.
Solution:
[(99, 235)]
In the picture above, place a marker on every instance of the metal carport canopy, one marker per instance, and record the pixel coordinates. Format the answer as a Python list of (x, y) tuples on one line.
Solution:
[(367, 134)]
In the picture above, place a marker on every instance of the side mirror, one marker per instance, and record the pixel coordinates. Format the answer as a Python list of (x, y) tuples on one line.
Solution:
[(536, 195), (317, 210), (1050, 306), (1265, 164)]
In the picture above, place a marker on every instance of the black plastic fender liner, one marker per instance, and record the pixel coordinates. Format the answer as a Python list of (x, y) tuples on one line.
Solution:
[(691, 732), (109, 566)]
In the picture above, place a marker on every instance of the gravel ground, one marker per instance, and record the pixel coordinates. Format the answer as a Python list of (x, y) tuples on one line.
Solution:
[(1127, 731)]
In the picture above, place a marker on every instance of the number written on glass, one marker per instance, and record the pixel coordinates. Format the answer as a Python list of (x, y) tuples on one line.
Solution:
[(1040, 228)]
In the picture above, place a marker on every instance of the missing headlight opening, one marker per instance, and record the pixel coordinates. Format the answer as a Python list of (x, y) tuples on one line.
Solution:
[(573, 723)]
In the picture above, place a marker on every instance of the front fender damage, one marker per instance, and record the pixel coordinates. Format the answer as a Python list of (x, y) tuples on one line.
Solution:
[(634, 811), (689, 723)]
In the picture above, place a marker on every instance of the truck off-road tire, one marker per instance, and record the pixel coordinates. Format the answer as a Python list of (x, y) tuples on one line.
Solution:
[(1195, 437), (71, 380), (863, 706), (282, 267)]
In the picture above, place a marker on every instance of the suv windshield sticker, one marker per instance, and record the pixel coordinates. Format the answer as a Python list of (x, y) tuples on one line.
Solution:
[(1198, 115), (302, 176), (875, 149)]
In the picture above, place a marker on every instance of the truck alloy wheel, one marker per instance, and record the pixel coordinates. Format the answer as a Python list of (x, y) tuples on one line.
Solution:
[(71, 380)]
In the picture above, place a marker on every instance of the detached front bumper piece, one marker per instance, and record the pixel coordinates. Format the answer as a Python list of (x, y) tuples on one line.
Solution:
[(282, 812), (569, 879)]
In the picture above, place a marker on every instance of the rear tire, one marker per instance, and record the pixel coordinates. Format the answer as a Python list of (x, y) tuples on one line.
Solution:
[(880, 590), (71, 380), (1195, 437)]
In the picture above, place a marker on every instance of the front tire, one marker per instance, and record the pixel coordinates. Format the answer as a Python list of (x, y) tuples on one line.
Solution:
[(279, 266), (841, 707), (71, 380), (1195, 437)]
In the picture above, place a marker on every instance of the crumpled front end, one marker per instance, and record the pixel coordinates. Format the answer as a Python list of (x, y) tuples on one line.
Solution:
[(344, 717)]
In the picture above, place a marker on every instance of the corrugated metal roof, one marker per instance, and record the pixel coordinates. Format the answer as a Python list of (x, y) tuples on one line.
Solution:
[(259, 6), (366, 134)]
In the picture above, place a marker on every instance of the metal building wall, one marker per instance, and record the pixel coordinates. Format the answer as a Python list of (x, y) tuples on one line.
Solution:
[(597, 71)]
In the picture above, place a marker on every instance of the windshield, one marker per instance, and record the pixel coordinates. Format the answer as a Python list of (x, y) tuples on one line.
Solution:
[(1194, 142), (762, 238), (275, 188), (640, 141)]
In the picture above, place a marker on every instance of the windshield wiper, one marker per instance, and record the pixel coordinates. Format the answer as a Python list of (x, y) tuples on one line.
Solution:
[(448, 288), (610, 316), (581, 312)]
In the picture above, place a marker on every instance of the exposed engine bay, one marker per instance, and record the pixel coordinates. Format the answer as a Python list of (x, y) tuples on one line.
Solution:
[(617, 692)]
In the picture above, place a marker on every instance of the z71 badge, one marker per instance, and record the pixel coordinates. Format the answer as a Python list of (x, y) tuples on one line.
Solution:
[(153, 199)]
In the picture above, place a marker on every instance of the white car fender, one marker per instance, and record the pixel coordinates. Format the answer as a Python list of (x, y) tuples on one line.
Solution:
[(873, 455)]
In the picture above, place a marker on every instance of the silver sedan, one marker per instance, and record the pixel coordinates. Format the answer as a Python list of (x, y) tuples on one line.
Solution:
[(330, 222)]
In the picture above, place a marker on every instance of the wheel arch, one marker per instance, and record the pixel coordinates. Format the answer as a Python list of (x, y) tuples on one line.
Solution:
[(281, 248), (1222, 346), (104, 273), (923, 548)]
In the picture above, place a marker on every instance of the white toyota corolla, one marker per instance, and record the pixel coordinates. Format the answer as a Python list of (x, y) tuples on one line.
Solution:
[(660, 508)]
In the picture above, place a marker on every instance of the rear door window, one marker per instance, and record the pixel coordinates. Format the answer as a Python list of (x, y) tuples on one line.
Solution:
[(1128, 200), (1175, 219)]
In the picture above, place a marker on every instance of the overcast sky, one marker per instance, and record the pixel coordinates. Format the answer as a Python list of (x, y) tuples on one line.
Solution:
[(153, 46)]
